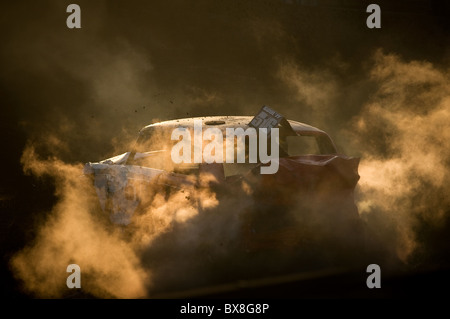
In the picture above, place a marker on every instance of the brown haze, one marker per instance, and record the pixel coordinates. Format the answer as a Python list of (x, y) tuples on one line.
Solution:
[(402, 134), (71, 234), (115, 260), (82, 95)]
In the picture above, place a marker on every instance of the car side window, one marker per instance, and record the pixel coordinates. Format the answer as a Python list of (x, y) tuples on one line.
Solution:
[(302, 145)]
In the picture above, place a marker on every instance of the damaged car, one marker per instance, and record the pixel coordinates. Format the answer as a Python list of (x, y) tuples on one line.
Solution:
[(310, 193)]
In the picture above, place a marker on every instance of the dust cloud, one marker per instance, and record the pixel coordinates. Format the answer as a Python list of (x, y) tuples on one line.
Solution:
[(165, 247), (73, 96), (402, 134), (72, 234)]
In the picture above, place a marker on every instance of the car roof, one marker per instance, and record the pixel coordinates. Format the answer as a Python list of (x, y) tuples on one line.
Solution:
[(223, 122)]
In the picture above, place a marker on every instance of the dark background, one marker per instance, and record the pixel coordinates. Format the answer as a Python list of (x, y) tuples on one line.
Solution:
[(136, 62)]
